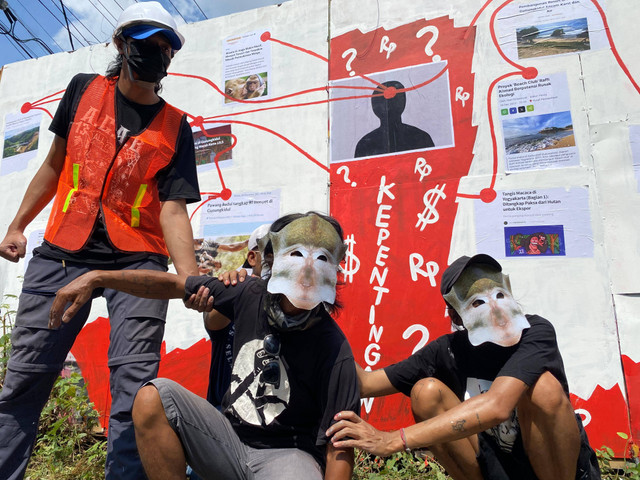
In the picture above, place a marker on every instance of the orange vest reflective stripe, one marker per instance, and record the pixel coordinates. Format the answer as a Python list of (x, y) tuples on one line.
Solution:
[(121, 182)]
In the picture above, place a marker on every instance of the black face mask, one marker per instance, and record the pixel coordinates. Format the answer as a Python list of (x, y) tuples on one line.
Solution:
[(148, 61)]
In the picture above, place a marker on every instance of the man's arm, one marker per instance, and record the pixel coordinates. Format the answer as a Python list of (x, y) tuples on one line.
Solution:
[(339, 463), (214, 320), (374, 383), (470, 417), (39, 193), (178, 235), (140, 283)]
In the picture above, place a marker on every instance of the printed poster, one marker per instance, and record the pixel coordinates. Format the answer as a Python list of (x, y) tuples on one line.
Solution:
[(246, 67), (542, 28), (226, 227), (536, 123), (535, 223), (212, 144), (634, 139), (418, 113), (21, 138)]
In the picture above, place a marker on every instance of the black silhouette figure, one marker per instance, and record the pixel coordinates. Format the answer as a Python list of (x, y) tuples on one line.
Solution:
[(392, 135)]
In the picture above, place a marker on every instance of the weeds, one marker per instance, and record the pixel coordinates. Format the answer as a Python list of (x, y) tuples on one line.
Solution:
[(630, 468), (6, 323), (67, 448), (399, 466)]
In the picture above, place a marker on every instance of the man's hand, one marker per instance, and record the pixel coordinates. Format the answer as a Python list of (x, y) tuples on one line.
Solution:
[(78, 292), (352, 431), (233, 277), (14, 246), (200, 301)]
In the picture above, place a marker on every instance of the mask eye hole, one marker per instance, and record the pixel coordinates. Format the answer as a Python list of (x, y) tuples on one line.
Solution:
[(323, 258), (499, 295), (477, 303), (296, 253)]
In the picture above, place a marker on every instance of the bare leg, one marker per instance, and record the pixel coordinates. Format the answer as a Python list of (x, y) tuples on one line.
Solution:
[(549, 430), (159, 446), (429, 398)]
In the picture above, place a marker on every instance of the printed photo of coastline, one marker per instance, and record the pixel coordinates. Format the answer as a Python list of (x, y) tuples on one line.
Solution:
[(539, 132), (567, 36)]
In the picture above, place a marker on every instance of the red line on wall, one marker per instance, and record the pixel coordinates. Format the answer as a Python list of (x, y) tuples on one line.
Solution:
[(488, 194), (273, 132), (492, 29)]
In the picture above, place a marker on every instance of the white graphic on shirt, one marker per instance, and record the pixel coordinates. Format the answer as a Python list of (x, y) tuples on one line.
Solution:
[(122, 134), (251, 400), (506, 432)]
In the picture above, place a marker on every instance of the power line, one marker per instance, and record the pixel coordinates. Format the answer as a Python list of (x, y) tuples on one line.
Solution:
[(13, 21), (203, 14), (15, 48), (64, 13), (57, 19), (4, 31), (74, 26), (176, 9), (43, 29), (107, 10)]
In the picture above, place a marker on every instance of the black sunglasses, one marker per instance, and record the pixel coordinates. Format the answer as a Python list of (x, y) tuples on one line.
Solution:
[(271, 370)]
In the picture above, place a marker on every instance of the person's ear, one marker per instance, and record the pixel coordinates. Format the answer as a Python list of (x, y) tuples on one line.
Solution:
[(253, 258)]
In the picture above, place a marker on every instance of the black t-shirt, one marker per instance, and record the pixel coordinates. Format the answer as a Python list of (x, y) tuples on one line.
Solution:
[(469, 370), (175, 182), (317, 369), (221, 362)]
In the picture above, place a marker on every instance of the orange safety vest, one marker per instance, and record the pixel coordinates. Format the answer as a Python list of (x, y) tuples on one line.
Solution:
[(97, 176)]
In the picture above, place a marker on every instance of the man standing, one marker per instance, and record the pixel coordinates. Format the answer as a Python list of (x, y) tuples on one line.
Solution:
[(122, 168), (491, 400)]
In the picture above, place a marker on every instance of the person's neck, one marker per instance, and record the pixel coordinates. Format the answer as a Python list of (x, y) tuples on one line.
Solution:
[(289, 308), (138, 92)]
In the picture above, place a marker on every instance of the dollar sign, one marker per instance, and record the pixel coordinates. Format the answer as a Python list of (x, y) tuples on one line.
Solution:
[(352, 263), (430, 215)]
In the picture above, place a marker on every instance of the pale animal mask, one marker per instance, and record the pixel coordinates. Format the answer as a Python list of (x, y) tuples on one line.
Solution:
[(483, 299), (306, 256)]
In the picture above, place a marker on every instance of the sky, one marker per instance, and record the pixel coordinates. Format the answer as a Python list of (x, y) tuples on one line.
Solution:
[(93, 21)]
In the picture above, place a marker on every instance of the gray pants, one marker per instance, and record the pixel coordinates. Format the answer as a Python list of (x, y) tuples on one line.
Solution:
[(215, 452), (38, 354)]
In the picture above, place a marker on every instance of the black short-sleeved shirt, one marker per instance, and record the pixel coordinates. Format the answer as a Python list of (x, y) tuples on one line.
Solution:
[(469, 370), (453, 360), (175, 182), (318, 376)]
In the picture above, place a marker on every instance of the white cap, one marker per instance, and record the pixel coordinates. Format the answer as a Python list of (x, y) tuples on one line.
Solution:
[(257, 234), (153, 15)]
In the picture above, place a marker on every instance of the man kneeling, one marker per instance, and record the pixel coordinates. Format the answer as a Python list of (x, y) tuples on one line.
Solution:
[(517, 421), (292, 366)]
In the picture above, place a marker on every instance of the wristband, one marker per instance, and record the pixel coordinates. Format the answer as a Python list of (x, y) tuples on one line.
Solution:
[(404, 441)]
